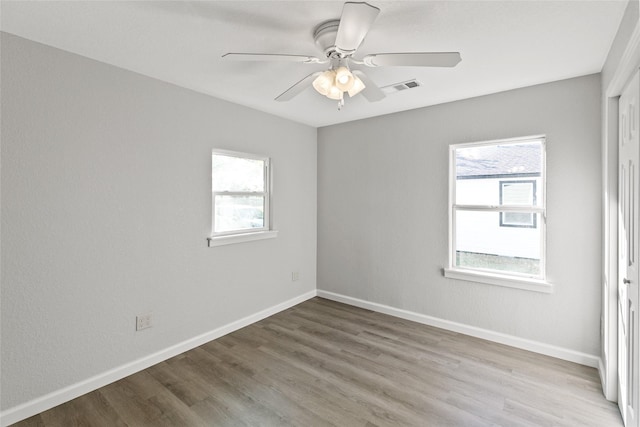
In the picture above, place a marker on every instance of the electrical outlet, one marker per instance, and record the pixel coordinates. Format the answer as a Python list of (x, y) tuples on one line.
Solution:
[(295, 276), (143, 321)]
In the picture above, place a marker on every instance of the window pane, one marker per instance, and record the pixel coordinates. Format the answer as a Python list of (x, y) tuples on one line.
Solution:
[(238, 213), (481, 243), (237, 174), (480, 171)]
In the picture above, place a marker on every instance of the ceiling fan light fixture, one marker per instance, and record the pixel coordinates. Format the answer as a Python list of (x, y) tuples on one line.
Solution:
[(344, 79), (324, 82), (357, 87)]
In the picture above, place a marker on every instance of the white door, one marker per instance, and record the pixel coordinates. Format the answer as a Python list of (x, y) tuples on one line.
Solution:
[(628, 236)]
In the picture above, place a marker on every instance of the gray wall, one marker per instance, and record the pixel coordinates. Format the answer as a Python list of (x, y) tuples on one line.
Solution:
[(382, 211), (106, 207)]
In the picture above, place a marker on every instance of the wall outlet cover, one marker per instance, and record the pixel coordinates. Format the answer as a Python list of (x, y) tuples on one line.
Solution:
[(143, 321)]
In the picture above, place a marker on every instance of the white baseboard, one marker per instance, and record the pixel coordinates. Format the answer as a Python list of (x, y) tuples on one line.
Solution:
[(522, 343), (28, 409)]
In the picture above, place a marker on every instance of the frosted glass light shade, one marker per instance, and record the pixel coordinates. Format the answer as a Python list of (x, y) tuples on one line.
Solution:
[(323, 83), (334, 93), (344, 79), (357, 87)]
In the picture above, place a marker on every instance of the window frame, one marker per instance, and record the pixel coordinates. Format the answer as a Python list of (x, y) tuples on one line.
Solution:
[(218, 238), (494, 277)]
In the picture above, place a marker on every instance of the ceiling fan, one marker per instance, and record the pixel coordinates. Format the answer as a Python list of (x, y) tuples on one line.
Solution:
[(339, 40)]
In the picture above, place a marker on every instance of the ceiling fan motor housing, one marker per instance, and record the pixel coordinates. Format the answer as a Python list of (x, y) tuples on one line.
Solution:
[(325, 37)]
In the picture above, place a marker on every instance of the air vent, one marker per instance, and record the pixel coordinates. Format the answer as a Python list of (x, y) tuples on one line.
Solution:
[(398, 87)]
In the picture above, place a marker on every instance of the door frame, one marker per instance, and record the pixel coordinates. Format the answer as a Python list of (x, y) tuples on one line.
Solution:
[(608, 364)]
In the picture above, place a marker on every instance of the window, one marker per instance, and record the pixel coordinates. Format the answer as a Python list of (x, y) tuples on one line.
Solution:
[(240, 197), (497, 212)]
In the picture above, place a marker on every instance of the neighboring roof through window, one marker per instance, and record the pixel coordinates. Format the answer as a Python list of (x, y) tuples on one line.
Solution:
[(498, 161)]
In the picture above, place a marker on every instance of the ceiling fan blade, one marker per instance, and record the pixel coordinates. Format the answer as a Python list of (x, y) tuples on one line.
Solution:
[(371, 91), (273, 57), (355, 22), (417, 59), (297, 88)]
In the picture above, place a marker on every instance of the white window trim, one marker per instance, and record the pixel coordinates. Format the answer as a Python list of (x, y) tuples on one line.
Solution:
[(490, 278), (240, 236), (531, 283)]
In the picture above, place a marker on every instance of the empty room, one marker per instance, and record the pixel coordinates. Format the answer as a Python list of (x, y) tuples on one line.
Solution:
[(319, 213)]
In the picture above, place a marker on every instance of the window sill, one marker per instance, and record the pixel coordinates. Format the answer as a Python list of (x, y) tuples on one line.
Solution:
[(241, 238), (525, 283)]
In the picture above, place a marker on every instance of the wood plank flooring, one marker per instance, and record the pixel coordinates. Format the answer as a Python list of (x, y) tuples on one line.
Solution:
[(323, 363)]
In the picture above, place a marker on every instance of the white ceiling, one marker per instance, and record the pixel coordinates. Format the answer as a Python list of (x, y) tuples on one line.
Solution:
[(504, 45)]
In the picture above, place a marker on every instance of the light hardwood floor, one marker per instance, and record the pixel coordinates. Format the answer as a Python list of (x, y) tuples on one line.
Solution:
[(323, 363)]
